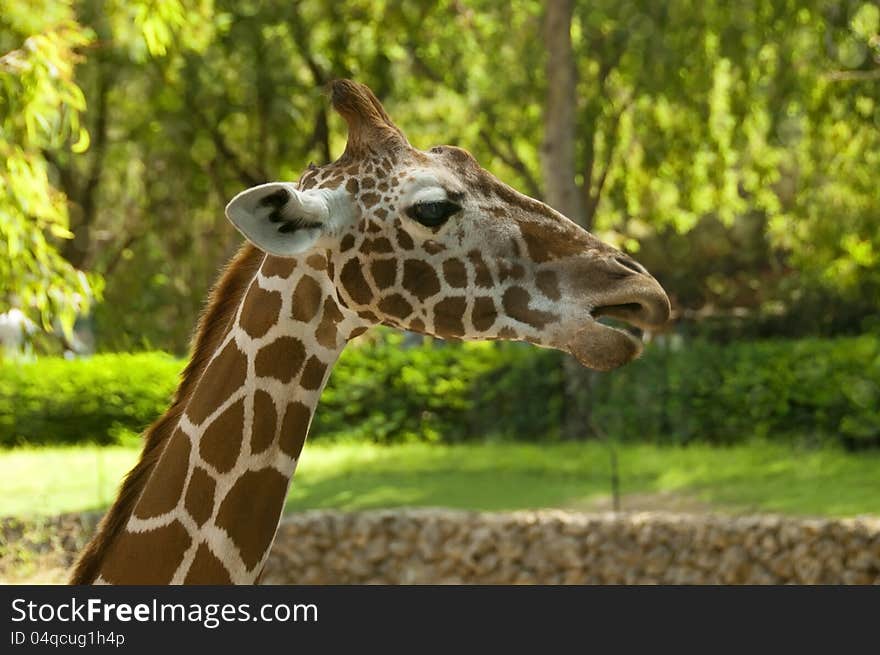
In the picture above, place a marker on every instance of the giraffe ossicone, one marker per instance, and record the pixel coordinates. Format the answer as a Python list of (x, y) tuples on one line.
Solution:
[(387, 234)]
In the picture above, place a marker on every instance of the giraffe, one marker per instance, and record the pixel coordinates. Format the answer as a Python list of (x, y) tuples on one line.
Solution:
[(426, 241)]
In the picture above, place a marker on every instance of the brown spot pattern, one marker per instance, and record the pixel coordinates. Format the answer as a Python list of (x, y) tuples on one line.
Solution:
[(355, 284), (317, 261), (347, 243), (384, 272), (484, 314), (260, 311), (306, 300), (548, 241), (282, 359), (379, 245), (516, 305), (313, 374), (250, 511), (146, 558), (199, 501), (448, 315), (265, 421), (327, 334), (433, 247), (395, 305), (510, 270), (278, 266), (221, 443), (166, 483), (294, 428), (420, 279), (404, 240), (455, 273), (483, 278), (548, 283), (206, 569), (220, 380)]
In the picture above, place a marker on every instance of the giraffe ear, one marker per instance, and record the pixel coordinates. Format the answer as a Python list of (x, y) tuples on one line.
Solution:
[(279, 218)]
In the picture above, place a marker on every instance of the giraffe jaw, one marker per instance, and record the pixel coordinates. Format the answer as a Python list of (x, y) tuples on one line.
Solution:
[(603, 347)]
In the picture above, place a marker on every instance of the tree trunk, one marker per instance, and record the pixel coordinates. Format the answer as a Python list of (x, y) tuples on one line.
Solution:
[(559, 168)]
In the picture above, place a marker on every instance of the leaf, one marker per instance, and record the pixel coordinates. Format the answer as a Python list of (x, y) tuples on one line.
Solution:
[(82, 142)]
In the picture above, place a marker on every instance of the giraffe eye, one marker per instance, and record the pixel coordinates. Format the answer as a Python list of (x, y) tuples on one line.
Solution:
[(432, 214)]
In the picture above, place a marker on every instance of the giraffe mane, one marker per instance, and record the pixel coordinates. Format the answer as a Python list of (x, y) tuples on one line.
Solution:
[(213, 325)]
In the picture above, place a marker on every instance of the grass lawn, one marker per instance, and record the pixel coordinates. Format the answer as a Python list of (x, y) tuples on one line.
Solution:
[(753, 478)]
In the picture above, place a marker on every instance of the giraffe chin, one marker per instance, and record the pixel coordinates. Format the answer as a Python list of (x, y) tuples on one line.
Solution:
[(602, 347)]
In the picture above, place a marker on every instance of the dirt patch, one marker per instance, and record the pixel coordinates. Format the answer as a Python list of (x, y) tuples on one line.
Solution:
[(41, 550), (661, 501)]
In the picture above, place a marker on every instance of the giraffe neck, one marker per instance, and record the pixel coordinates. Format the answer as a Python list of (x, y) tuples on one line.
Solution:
[(210, 510)]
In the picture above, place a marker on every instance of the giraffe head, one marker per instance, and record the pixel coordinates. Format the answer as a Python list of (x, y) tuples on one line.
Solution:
[(431, 242)]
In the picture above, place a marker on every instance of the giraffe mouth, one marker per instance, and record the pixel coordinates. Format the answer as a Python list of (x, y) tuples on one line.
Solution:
[(606, 341), (604, 347), (613, 337)]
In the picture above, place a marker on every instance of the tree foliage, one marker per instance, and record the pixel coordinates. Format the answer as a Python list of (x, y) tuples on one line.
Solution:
[(40, 108), (734, 145)]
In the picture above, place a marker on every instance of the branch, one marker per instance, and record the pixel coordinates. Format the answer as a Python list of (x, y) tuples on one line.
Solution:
[(511, 159), (593, 193), (245, 176), (853, 76), (320, 135), (66, 174), (264, 89), (302, 42), (421, 66), (606, 67), (99, 149), (117, 257)]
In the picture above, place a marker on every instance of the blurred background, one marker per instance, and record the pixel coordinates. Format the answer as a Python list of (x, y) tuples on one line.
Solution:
[(732, 148)]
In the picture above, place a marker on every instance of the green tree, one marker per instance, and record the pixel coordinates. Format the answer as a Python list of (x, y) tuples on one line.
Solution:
[(40, 108), (731, 144)]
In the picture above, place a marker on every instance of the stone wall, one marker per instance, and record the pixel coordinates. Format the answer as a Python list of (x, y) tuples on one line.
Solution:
[(552, 547)]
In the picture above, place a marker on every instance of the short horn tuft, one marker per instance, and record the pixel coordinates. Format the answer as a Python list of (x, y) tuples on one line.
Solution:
[(369, 126)]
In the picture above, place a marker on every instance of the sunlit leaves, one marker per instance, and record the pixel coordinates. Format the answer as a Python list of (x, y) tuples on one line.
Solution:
[(148, 28), (41, 105), (714, 118)]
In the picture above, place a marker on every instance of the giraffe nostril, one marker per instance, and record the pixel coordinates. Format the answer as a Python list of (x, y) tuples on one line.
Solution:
[(631, 265)]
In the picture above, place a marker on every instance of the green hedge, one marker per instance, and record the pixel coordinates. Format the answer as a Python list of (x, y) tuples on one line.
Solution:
[(692, 391), (54, 400), (442, 392), (812, 389)]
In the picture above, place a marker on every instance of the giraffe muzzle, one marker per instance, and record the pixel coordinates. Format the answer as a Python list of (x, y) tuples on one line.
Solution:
[(648, 310), (638, 299), (634, 297)]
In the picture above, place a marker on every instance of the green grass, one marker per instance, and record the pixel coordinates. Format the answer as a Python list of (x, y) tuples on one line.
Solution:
[(753, 478)]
